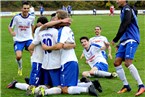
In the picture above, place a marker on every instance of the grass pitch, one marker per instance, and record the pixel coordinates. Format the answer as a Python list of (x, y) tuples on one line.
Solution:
[(82, 25)]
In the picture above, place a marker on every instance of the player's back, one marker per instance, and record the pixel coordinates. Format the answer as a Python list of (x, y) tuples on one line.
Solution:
[(51, 59), (37, 55), (67, 36)]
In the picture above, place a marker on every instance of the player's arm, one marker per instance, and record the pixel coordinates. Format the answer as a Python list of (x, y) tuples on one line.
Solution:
[(33, 28), (107, 44), (31, 47), (109, 52), (124, 24), (52, 23), (54, 47), (103, 48), (82, 55), (69, 45), (11, 31)]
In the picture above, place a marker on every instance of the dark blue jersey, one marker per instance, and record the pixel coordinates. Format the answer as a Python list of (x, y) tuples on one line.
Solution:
[(129, 27)]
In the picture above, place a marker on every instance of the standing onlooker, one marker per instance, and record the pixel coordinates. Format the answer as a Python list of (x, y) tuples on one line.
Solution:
[(64, 8), (111, 10), (69, 9), (94, 11), (129, 37), (41, 10), (22, 33)]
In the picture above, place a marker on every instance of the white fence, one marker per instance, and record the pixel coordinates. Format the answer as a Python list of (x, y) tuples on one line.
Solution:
[(73, 12)]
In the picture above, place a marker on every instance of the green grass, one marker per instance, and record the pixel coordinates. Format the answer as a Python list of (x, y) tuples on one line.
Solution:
[(82, 25)]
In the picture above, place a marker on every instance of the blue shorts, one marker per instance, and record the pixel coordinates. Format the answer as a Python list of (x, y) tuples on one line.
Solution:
[(35, 74), (55, 77), (46, 77), (20, 45), (101, 66), (127, 51), (69, 74), (104, 54)]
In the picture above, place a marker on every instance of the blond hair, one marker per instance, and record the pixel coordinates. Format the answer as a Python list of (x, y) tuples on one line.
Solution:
[(61, 14)]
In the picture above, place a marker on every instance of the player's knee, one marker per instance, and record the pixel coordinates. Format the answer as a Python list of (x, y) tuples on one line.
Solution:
[(127, 64), (18, 57), (91, 72), (116, 64), (84, 74), (64, 90)]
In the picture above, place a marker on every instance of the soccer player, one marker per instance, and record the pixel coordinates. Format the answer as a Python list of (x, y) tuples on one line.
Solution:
[(36, 61), (69, 9), (22, 33), (41, 10), (32, 10), (37, 56), (128, 34), (94, 57), (69, 65), (102, 41)]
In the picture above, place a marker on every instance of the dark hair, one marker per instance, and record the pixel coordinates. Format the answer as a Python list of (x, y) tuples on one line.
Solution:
[(53, 14), (84, 37), (25, 3), (42, 20), (99, 27)]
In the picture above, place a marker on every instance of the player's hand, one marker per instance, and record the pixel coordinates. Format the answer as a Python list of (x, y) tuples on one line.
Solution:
[(13, 33), (45, 47), (110, 56), (113, 43), (38, 24), (67, 20)]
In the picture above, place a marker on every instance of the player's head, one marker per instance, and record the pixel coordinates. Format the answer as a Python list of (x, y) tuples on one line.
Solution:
[(121, 3), (42, 20), (53, 17), (25, 8), (84, 42), (98, 30), (61, 14)]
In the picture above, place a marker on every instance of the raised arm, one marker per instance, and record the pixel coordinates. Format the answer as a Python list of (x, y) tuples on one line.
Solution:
[(52, 23)]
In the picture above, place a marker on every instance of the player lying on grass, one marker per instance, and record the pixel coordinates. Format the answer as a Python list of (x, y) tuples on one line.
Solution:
[(94, 57), (84, 86)]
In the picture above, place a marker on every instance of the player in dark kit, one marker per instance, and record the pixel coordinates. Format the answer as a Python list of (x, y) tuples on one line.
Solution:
[(129, 37)]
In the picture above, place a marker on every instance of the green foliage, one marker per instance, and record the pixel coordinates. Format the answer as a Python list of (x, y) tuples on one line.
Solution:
[(108, 4), (82, 25), (76, 5)]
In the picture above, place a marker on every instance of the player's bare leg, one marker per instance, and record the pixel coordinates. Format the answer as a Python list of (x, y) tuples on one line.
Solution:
[(19, 61)]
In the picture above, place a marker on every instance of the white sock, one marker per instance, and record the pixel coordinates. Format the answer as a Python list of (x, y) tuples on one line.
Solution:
[(22, 86), (54, 90), (19, 63), (102, 73), (77, 90), (83, 84), (121, 74), (135, 74)]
